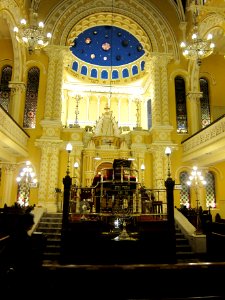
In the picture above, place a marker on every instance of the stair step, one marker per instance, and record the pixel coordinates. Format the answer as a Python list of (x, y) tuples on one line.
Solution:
[(182, 241), (52, 248), (48, 230), (50, 226), (186, 248), (52, 215)]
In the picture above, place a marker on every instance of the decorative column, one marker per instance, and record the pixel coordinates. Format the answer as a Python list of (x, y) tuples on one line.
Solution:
[(17, 93), (195, 111), (8, 183)]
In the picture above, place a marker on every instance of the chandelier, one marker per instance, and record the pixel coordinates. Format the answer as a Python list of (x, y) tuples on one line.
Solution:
[(197, 181), (198, 47), (25, 180), (32, 35)]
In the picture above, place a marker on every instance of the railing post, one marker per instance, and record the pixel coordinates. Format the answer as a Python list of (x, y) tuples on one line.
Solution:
[(169, 184), (67, 181)]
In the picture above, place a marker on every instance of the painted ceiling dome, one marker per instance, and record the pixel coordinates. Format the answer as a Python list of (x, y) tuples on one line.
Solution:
[(107, 46), (107, 52)]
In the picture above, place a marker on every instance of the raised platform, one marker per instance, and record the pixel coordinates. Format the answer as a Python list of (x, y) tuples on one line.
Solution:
[(98, 241)]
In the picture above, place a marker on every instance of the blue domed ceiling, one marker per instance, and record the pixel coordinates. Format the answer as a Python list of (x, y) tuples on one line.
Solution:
[(106, 46)]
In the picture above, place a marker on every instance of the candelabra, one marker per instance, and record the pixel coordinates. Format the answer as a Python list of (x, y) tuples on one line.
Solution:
[(32, 35), (77, 99), (26, 179), (197, 181), (138, 116)]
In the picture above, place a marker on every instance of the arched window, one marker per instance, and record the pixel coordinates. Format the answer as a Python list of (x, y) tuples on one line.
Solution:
[(115, 74), (6, 75), (185, 190), (210, 190), (94, 73), (75, 66), (125, 73), (83, 70), (104, 74), (204, 102), (29, 120), (142, 65), (134, 70), (181, 109)]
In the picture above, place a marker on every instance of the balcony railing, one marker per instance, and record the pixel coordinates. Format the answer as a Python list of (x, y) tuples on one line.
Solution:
[(13, 137), (207, 144)]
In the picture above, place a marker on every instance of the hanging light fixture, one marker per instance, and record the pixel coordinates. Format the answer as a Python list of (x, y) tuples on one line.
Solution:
[(32, 35), (197, 181), (97, 157), (25, 180), (197, 47)]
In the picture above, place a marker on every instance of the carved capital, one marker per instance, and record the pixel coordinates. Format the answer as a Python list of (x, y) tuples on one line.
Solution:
[(17, 87)]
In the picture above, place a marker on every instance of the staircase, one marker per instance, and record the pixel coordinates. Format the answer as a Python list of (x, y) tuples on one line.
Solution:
[(184, 251), (50, 226)]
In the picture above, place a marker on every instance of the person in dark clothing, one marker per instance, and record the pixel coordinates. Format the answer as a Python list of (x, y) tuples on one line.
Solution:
[(22, 259)]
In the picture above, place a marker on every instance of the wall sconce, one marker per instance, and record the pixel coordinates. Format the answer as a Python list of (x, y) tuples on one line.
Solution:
[(76, 165), (69, 148), (168, 153), (97, 157)]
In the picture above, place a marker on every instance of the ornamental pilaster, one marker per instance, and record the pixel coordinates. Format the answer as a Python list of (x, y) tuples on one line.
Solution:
[(161, 134), (158, 166), (49, 165), (154, 72), (17, 94), (160, 105), (160, 163), (51, 129), (58, 60)]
